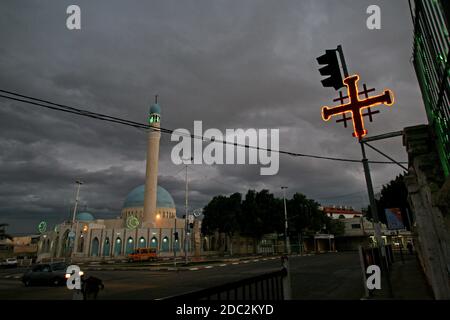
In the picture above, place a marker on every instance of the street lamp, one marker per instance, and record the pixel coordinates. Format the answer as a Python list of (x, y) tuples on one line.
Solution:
[(73, 234), (79, 183), (286, 236), (186, 211)]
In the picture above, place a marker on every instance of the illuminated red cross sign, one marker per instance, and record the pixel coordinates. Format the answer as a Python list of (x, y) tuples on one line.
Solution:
[(356, 106)]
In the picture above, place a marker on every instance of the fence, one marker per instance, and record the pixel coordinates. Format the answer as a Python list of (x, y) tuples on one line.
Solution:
[(269, 286), (372, 256)]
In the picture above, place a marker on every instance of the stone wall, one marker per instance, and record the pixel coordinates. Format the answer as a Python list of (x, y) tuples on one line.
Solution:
[(428, 195)]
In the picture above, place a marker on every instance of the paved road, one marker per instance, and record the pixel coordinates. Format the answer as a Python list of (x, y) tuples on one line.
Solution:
[(328, 276)]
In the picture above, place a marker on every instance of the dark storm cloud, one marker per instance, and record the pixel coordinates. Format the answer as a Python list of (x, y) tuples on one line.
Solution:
[(246, 64)]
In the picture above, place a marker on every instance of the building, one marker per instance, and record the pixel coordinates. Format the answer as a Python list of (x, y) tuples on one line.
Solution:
[(428, 146), (360, 231), (148, 219), (26, 245), (341, 212), (432, 64), (6, 242)]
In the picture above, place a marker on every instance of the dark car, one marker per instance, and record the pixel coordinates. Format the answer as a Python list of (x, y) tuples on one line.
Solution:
[(46, 274)]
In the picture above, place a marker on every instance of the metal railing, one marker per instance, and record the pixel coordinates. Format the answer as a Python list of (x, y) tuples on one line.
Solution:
[(372, 256), (267, 286)]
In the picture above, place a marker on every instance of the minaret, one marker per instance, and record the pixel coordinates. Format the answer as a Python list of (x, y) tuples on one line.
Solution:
[(151, 176)]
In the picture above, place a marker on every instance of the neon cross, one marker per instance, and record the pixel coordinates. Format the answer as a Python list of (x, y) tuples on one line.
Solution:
[(356, 106)]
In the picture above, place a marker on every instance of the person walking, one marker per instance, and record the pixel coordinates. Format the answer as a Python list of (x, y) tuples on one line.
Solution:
[(410, 247)]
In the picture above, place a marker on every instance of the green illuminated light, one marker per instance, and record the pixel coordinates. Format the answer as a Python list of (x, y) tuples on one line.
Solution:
[(42, 226), (153, 118)]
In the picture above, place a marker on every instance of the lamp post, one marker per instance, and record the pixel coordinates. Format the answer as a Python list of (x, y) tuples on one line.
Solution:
[(79, 183), (186, 212), (73, 234), (286, 236), (175, 240)]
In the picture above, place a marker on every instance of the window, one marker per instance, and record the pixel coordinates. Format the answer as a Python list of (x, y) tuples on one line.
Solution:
[(356, 226)]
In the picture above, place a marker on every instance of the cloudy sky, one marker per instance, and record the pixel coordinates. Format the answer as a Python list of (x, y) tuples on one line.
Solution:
[(231, 64)]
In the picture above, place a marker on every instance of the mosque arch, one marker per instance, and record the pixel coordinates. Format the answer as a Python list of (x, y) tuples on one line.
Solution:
[(213, 243), (176, 245), (165, 244), (80, 247), (95, 247), (106, 247), (118, 247), (142, 243), (55, 247), (66, 244), (129, 246), (44, 246), (154, 243)]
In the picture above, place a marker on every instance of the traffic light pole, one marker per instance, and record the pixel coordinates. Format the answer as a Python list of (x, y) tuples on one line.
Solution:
[(376, 221), (185, 220), (342, 58)]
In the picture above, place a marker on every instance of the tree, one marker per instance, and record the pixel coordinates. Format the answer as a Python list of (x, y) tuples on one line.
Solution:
[(393, 195), (335, 226), (304, 214), (261, 213)]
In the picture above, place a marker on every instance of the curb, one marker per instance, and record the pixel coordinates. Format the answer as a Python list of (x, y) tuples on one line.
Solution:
[(248, 260)]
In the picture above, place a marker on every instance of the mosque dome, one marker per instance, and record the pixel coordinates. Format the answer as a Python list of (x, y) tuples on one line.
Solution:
[(136, 198), (155, 108), (85, 216)]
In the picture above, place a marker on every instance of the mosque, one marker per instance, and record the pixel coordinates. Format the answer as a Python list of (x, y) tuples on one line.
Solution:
[(148, 220)]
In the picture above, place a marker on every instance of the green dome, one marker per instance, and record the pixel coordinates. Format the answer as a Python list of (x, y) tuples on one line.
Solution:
[(85, 216), (136, 198), (155, 108)]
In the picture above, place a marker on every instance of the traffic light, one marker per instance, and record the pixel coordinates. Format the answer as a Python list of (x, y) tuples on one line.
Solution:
[(331, 69), (176, 235)]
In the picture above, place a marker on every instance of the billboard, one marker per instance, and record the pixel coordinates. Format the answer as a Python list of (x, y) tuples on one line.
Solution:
[(394, 219)]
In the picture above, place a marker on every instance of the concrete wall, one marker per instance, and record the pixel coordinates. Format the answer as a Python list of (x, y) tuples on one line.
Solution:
[(425, 182)]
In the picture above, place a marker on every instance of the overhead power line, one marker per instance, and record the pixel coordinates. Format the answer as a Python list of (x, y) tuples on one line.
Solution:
[(99, 116)]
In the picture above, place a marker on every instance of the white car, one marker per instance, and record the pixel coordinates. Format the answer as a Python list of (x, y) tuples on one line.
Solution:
[(11, 262)]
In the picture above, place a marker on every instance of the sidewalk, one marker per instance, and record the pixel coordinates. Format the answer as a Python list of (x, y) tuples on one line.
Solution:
[(407, 280)]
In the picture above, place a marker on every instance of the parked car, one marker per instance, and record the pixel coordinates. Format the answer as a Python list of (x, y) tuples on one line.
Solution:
[(46, 274), (10, 263)]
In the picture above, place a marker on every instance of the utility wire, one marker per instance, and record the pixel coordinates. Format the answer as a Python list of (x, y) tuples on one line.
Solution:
[(64, 108)]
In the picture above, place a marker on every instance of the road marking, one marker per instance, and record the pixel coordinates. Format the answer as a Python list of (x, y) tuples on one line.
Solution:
[(222, 265), (246, 261), (208, 267), (256, 260), (235, 263), (16, 277), (264, 259), (193, 269), (8, 276)]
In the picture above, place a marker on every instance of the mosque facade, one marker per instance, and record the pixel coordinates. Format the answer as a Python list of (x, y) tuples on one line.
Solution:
[(148, 220)]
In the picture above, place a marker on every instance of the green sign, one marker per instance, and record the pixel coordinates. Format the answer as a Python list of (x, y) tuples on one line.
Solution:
[(132, 222), (42, 226)]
